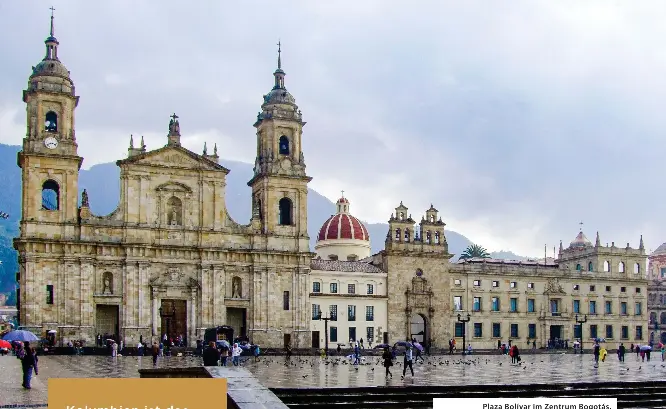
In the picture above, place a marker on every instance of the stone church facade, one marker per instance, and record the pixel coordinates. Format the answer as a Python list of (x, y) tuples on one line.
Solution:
[(169, 260)]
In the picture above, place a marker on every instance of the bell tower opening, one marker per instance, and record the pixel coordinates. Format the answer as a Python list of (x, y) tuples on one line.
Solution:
[(284, 145), (285, 216), (50, 195), (51, 122)]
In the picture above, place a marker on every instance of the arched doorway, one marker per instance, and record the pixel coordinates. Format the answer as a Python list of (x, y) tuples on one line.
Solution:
[(663, 337), (417, 328)]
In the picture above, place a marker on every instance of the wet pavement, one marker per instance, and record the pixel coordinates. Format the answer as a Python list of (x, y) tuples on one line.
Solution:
[(305, 372)]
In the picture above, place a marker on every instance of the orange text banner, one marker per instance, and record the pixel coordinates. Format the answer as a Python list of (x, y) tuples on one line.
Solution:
[(137, 393)]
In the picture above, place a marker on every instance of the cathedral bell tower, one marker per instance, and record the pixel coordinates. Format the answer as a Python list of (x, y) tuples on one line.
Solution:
[(279, 185), (49, 158)]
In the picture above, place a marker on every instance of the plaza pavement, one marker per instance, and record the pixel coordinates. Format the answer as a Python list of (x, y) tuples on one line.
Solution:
[(275, 372)]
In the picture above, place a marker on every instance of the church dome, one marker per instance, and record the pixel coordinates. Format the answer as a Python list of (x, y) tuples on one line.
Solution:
[(279, 96), (51, 70), (343, 236), (580, 241), (343, 226)]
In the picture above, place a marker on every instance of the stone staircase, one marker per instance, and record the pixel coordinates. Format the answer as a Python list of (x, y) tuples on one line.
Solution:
[(628, 394)]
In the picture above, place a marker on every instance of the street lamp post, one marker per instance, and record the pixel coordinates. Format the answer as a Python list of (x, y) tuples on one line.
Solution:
[(580, 323), (168, 316), (464, 331), (326, 320)]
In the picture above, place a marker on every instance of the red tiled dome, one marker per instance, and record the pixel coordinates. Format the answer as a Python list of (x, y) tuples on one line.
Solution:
[(343, 225)]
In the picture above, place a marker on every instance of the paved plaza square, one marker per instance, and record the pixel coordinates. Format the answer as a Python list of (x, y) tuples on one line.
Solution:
[(275, 372)]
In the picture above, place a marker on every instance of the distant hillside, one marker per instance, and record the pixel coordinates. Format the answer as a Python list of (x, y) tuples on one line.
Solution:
[(103, 185)]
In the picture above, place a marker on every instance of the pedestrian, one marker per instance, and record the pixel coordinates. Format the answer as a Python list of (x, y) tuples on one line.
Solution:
[(211, 355), (621, 350), (602, 354), (596, 351), (388, 361), (339, 349), (28, 364), (663, 351), (357, 354), (451, 346), (256, 353), (288, 348), (408, 362), (114, 349), (235, 354), (156, 352)]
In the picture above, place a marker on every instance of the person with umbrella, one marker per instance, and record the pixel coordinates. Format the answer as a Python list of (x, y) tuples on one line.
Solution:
[(211, 355)]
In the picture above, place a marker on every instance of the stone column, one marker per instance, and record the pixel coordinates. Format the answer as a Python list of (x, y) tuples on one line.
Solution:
[(155, 311), (192, 335)]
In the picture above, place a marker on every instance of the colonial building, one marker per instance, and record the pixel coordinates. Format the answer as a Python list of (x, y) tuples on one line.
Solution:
[(348, 294), (657, 294), (604, 286), (169, 260)]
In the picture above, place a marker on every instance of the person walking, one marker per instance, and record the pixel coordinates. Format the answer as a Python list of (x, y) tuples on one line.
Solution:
[(408, 362), (621, 350), (156, 352), (211, 355), (235, 354), (28, 364), (388, 361), (596, 352)]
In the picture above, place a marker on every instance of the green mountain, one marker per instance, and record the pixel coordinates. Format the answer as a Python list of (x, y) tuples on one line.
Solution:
[(103, 185)]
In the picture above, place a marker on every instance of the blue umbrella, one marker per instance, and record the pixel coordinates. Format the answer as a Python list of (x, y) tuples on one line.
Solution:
[(20, 335), (223, 343), (382, 346), (403, 344)]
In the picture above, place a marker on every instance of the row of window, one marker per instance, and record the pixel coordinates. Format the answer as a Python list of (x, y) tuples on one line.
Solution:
[(477, 305), (333, 334), (607, 267), (532, 331), (351, 288), (351, 312), (530, 286)]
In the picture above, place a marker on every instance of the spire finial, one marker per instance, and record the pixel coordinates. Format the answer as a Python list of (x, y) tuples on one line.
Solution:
[(343, 194), (641, 246), (581, 226), (279, 44), (52, 10), (215, 149), (205, 152), (131, 141), (143, 145)]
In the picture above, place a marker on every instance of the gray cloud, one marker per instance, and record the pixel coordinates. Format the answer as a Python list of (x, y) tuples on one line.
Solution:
[(516, 120)]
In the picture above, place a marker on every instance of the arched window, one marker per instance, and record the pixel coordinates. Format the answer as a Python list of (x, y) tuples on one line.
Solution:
[(352, 257), (606, 266), (284, 218), (653, 317), (637, 268), (51, 122), (662, 318), (661, 298), (579, 267), (333, 257), (436, 237), (620, 267), (590, 266), (402, 216), (50, 195), (397, 234), (428, 237), (174, 211), (284, 145), (407, 235)]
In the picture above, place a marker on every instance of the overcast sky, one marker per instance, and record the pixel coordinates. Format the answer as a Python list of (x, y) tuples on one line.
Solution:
[(516, 119)]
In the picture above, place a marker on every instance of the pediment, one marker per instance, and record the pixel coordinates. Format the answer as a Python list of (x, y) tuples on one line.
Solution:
[(173, 277), (174, 156), (174, 187)]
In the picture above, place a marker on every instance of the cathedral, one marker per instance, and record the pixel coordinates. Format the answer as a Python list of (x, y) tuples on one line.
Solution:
[(169, 260)]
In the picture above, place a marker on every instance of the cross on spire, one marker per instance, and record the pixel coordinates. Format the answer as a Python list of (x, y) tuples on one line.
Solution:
[(52, 10), (279, 44), (343, 193), (581, 226), (174, 117)]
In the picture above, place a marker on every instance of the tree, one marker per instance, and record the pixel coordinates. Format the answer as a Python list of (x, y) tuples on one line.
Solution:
[(474, 251)]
